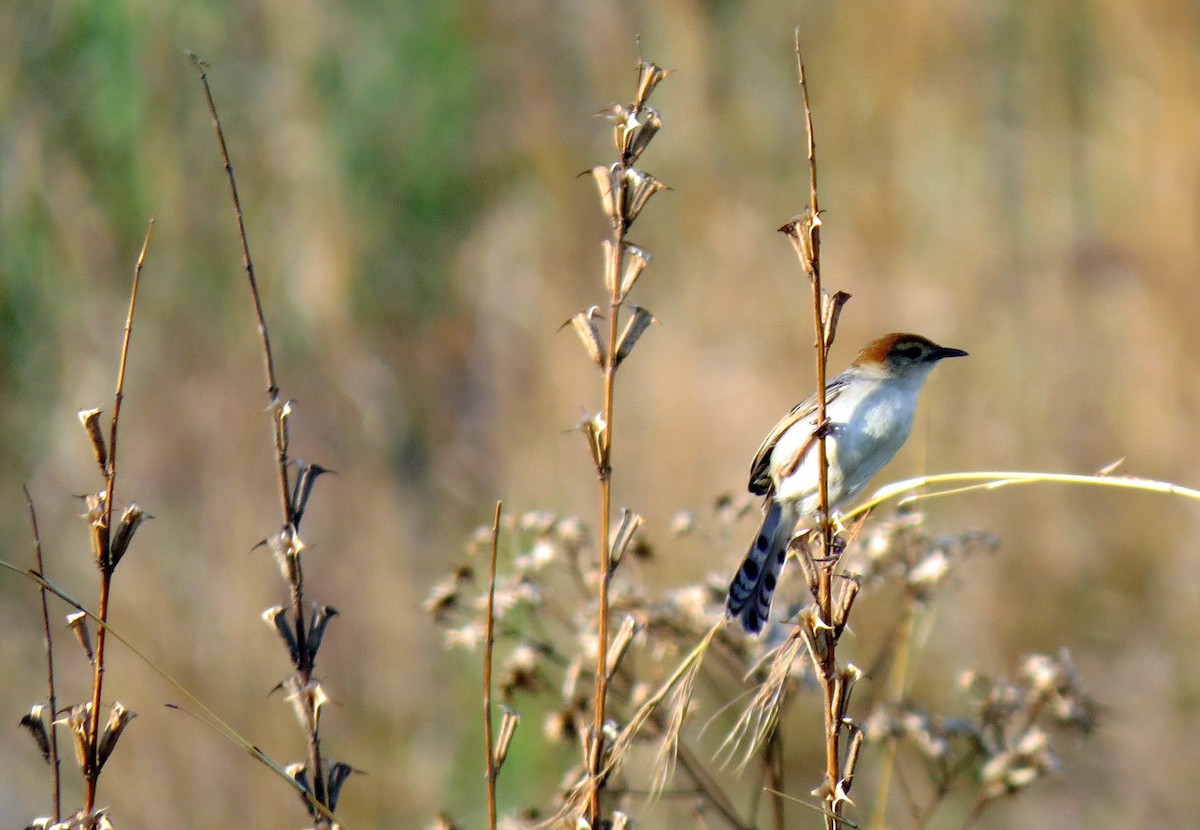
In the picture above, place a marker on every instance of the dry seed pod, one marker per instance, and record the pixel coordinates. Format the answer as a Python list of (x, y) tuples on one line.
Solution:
[(802, 230), (77, 721), (585, 326), (302, 490), (118, 719), (299, 774), (648, 124), (630, 522), (131, 520), (316, 627), (610, 185), (594, 427), (282, 410), (636, 192), (621, 643), (77, 622), (276, 617), (831, 311), (508, 728), (338, 773), (650, 75), (90, 418), (286, 546), (635, 261), (625, 123), (35, 722), (638, 323)]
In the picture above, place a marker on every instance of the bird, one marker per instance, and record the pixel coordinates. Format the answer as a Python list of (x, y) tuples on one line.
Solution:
[(869, 409)]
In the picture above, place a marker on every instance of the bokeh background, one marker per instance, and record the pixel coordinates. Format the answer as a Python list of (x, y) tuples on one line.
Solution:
[(1021, 180)]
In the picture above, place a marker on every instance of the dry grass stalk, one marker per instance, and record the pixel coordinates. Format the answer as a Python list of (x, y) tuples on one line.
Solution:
[(319, 779), (50, 752), (624, 191)]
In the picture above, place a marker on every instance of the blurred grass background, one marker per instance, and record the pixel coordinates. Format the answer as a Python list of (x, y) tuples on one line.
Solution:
[(1020, 180)]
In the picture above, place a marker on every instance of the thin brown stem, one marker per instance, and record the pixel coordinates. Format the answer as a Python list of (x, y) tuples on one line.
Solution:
[(92, 765), (596, 761), (260, 315), (49, 641), (827, 670), (488, 642)]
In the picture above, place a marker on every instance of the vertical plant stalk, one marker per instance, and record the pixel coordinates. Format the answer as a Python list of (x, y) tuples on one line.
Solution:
[(104, 537), (596, 762), (305, 656), (827, 669), (248, 267), (488, 642), (49, 641), (624, 191)]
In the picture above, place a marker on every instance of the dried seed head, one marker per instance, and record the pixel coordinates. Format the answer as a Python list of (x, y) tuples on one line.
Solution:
[(302, 490), (77, 719), (131, 520), (636, 190), (321, 616), (610, 184), (635, 261), (596, 430), (78, 623), (508, 728), (650, 75), (276, 617), (90, 418), (637, 324), (621, 643), (336, 777), (118, 719), (35, 722), (585, 326), (630, 523)]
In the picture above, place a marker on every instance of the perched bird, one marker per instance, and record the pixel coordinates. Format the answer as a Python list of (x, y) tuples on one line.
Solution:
[(870, 410)]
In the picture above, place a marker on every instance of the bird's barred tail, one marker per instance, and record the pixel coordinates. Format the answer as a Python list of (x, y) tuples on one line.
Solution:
[(751, 591)]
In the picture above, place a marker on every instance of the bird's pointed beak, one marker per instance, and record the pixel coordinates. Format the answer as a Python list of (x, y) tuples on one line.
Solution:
[(942, 352)]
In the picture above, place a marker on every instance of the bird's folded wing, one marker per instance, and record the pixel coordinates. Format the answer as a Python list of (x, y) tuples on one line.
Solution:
[(760, 469)]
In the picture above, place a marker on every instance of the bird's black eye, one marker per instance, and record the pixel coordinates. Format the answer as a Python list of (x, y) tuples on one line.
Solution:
[(909, 352)]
